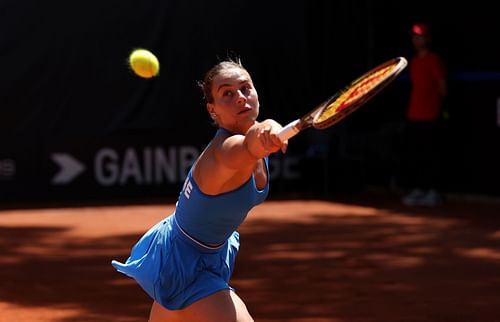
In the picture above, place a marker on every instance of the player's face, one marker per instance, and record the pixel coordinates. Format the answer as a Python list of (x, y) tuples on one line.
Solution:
[(236, 103)]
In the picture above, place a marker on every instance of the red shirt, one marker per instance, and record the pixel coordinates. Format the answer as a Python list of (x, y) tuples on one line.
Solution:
[(425, 100)]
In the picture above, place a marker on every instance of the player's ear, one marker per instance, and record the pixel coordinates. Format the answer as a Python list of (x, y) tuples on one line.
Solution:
[(211, 110)]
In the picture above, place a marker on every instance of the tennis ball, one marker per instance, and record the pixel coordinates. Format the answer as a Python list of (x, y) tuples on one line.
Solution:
[(144, 63)]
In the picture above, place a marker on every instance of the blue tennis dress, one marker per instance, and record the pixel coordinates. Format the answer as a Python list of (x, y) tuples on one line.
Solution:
[(173, 262)]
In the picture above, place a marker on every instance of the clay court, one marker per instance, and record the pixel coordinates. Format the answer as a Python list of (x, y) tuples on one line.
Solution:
[(300, 261)]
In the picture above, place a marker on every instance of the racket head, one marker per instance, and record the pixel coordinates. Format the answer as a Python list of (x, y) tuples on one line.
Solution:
[(357, 93)]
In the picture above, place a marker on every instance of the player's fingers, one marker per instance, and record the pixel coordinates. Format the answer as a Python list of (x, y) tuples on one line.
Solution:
[(281, 145), (264, 138), (262, 134), (275, 139), (284, 146)]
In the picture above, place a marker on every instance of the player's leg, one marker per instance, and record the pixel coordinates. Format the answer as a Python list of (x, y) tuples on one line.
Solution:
[(222, 306)]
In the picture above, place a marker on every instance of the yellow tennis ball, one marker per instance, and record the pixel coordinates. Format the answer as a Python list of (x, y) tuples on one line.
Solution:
[(144, 63)]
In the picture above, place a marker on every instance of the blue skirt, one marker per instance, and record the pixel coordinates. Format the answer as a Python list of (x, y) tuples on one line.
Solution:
[(176, 270)]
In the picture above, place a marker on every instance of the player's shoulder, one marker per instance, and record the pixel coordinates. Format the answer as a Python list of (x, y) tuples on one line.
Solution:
[(224, 137)]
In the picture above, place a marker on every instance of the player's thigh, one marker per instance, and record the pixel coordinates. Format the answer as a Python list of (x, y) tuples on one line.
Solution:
[(223, 306)]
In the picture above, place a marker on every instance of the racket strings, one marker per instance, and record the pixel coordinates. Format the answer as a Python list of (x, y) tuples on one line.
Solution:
[(363, 87), (359, 89)]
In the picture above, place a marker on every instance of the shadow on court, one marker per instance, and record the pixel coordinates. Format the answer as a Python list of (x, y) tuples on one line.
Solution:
[(382, 265), (300, 261), (71, 279)]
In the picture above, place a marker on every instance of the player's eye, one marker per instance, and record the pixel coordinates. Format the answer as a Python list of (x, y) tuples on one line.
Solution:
[(227, 93), (245, 88)]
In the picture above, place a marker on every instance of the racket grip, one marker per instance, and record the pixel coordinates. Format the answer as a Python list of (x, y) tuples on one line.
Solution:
[(289, 130)]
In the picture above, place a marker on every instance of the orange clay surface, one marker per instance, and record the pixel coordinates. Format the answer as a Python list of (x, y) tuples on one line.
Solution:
[(300, 261)]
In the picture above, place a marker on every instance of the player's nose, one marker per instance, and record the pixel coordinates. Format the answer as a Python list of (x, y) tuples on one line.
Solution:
[(241, 98)]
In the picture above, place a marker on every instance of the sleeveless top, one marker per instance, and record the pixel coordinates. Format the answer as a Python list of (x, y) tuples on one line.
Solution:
[(211, 219)]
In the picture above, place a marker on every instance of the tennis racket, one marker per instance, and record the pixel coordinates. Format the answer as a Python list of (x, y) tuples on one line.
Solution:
[(347, 100)]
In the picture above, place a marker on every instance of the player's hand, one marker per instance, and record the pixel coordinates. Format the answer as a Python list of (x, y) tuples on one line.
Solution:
[(268, 136), (262, 139)]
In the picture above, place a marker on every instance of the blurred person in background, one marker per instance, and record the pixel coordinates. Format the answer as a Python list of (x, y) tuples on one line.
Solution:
[(428, 90)]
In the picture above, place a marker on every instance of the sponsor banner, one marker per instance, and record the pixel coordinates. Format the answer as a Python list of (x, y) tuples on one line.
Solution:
[(114, 167)]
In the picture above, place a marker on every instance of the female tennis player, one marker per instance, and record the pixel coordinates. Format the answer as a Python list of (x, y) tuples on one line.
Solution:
[(185, 261)]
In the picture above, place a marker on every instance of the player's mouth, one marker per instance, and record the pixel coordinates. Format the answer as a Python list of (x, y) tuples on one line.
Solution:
[(245, 110)]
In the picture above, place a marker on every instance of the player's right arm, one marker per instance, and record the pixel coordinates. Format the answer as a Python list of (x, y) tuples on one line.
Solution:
[(230, 160), (259, 141)]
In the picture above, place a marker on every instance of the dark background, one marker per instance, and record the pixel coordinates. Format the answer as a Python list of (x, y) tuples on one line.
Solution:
[(65, 88)]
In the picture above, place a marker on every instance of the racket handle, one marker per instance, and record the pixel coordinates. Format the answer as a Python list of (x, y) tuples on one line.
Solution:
[(289, 130)]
